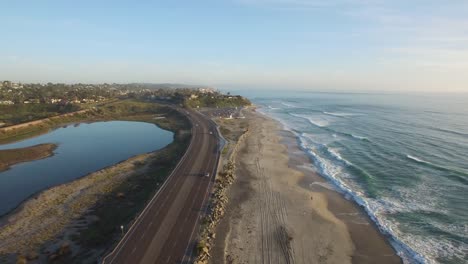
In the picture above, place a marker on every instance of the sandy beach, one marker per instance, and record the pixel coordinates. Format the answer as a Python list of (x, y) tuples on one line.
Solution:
[(281, 211)]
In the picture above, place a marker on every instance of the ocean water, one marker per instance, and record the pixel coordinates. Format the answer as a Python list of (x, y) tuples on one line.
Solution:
[(403, 158)]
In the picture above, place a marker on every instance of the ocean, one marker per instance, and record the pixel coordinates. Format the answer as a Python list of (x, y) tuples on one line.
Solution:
[(402, 157)]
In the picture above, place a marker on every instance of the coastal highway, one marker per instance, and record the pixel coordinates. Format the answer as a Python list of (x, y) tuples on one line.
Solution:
[(165, 231)]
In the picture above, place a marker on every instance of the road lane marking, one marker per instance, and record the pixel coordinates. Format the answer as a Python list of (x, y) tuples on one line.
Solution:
[(208, 164), (191, 158), (215, 170), (136, 224)]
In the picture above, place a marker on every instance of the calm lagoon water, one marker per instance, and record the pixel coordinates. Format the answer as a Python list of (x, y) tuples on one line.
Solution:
[(82, 148)]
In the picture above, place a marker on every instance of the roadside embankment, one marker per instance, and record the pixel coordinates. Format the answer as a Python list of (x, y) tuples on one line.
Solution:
[(234, 131), (37, 122), (37, 127), (9, 157)]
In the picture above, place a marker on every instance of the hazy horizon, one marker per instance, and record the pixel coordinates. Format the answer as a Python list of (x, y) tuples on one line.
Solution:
[(326, 46)]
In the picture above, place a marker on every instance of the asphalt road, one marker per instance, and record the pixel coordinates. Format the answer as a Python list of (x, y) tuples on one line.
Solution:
[(165, 231)]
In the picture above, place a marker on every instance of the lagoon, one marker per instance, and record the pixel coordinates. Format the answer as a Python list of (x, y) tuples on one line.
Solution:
[(82, 149)]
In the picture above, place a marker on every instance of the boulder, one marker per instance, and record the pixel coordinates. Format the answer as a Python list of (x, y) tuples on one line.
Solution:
[(205, 250), (64, 249), (53, 257), (32, 255), (21, 259)]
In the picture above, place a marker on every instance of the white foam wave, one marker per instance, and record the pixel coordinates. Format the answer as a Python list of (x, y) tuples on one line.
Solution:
[(339, 114), (283, 123), (373, 208), (335, 154), (273, 108), (288, 105), (417, 159), (420, 251), (359, 137), (317, 121), (325, 185), (436, 248)]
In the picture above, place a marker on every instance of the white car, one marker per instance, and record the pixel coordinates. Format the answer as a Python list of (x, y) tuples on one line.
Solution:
[(207, 174), (211, 133)]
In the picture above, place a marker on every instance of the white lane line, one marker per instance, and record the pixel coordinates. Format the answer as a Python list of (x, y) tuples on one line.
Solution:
[(206, 195), (196, 194)]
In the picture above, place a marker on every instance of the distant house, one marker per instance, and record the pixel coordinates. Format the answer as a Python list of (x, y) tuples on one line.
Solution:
[(32, 101), (63, 102), (206, 90), (6, 84), (16, 85), (6, 102), (85, 100)]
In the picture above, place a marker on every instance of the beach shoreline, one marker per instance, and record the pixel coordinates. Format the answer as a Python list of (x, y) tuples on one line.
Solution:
[(346, 210), (299, 218)]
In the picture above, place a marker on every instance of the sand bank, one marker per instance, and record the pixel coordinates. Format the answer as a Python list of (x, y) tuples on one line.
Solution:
[(9, 157)]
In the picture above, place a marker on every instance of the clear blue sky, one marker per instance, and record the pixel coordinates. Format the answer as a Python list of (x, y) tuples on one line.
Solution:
[(355, 45)]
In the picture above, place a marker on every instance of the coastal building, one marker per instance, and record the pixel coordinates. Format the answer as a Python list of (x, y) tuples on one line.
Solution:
[(6, 84), (16, 85), (206, 90), (32, 101)]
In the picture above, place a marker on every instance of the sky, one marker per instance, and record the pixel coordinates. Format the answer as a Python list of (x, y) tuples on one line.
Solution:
[(329, 45)]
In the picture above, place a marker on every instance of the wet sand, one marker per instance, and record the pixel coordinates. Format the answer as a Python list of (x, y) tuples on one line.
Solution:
[(281, 211)]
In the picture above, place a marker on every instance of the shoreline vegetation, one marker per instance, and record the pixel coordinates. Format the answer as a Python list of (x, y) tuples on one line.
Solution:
[(10, 157), (79, 221)]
